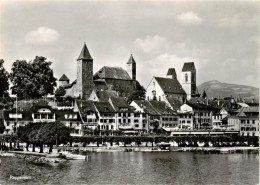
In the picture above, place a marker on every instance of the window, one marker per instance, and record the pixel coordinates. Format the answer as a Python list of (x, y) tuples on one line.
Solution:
[(36, 116), (144, 115), (253, 121), (112, 127), (143, 125), (77, 123), (119, 121), (175, 119), (129, 120), (136, 121), (136, 125), (136, 115), (7, 123), (186, 77), (44, 116), (50, 116)]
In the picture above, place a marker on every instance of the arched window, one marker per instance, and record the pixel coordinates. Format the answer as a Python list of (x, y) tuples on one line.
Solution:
[(186, 77), (159, 98)]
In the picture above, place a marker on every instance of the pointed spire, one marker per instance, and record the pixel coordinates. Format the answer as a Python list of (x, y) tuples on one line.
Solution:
[(172, 72), (84, 55), (131, 60)]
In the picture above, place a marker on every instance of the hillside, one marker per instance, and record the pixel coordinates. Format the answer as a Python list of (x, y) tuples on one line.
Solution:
[(220, 90)]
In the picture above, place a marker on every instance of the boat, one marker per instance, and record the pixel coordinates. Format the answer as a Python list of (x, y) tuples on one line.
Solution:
[(75, 157), (224, 151)]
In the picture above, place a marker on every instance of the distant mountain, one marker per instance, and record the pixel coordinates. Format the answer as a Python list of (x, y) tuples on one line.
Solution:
[(220, 90)]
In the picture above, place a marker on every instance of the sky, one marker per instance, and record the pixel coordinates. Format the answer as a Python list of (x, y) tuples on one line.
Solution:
[(220, 37)]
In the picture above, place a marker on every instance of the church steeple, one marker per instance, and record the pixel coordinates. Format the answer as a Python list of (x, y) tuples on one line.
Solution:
[(131, 67), (85, 55)]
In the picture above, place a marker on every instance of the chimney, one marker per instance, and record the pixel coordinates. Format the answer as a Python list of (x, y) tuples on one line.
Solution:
[(218, 102)]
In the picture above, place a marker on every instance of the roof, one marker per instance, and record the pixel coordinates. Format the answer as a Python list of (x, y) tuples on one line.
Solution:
[(85, 106), (100, 84), (26, 115), (104, 107), (64, 78), (104, 95), (147, 107), (175, 103), (188, 66), (202, 107), (39, 105), (84, 55), (112, 72), (120, 102), (162, 108), (171, 72), (248, 111), (169, 85), (131, 60)]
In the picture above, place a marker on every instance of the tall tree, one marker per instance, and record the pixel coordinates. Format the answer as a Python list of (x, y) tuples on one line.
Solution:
[(32, 80), (138, 94), (4, 84)]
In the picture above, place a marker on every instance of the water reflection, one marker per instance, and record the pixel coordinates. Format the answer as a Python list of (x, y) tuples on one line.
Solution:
[(139, 168)]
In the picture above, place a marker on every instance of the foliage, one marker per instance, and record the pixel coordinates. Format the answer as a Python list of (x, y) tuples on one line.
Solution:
[(138, 94), (4, 84), (32, 79), (60, 91)]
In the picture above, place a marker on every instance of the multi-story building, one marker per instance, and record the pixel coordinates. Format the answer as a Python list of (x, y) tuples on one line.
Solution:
[(249, 121)]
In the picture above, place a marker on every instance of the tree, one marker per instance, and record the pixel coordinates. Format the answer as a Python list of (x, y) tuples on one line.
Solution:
[(60, 91), (32, 80), (53, 133), (4, 84), (2, 126), (138, 94)]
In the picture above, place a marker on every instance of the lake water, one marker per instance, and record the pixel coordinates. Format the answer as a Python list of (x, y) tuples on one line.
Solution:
[(138, 168)]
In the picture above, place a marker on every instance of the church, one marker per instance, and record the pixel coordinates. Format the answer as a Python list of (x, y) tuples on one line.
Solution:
[(113, 79)]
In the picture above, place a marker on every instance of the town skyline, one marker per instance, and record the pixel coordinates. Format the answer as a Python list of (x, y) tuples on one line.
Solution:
[(182, 33)]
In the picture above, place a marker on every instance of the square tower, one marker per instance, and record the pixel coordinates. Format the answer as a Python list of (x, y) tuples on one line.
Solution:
[(84, 83), (189, 79), (131, 67)]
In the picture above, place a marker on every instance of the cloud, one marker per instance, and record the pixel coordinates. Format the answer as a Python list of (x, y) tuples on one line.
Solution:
[(151, 43), (42, 35), (189, 18)]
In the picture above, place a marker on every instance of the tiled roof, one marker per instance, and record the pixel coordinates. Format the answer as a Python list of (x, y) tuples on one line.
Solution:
[(171, 86), (119, 102), (64, 78), (162, 108), (245, 110), (175, 103), (188, 66), (84, 53), (104, 107), (112, 72), (202, 107), (147, 107), (85, 106), (131, 60)]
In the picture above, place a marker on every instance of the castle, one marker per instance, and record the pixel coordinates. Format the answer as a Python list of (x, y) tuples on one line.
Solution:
[(107, 78)]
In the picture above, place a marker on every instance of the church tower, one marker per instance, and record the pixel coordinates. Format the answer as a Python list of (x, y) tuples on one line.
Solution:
[(189, 79), (84, 74), (131, 67)]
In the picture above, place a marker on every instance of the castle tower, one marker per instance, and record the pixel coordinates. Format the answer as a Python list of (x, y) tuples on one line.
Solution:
[(84, 74), (64, 80), (131, 67), (189, 79)]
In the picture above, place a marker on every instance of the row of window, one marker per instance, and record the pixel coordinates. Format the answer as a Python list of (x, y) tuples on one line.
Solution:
[(43, 116), (105, 127), (183, 122), (202, 114), (107, 120), (248, 128), (247, 121), (169, 119)]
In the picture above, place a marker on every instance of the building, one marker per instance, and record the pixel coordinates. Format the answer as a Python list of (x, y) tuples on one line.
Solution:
[(202, 114), (160, 89), (189, 80), (249, 121), (107, 78)]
